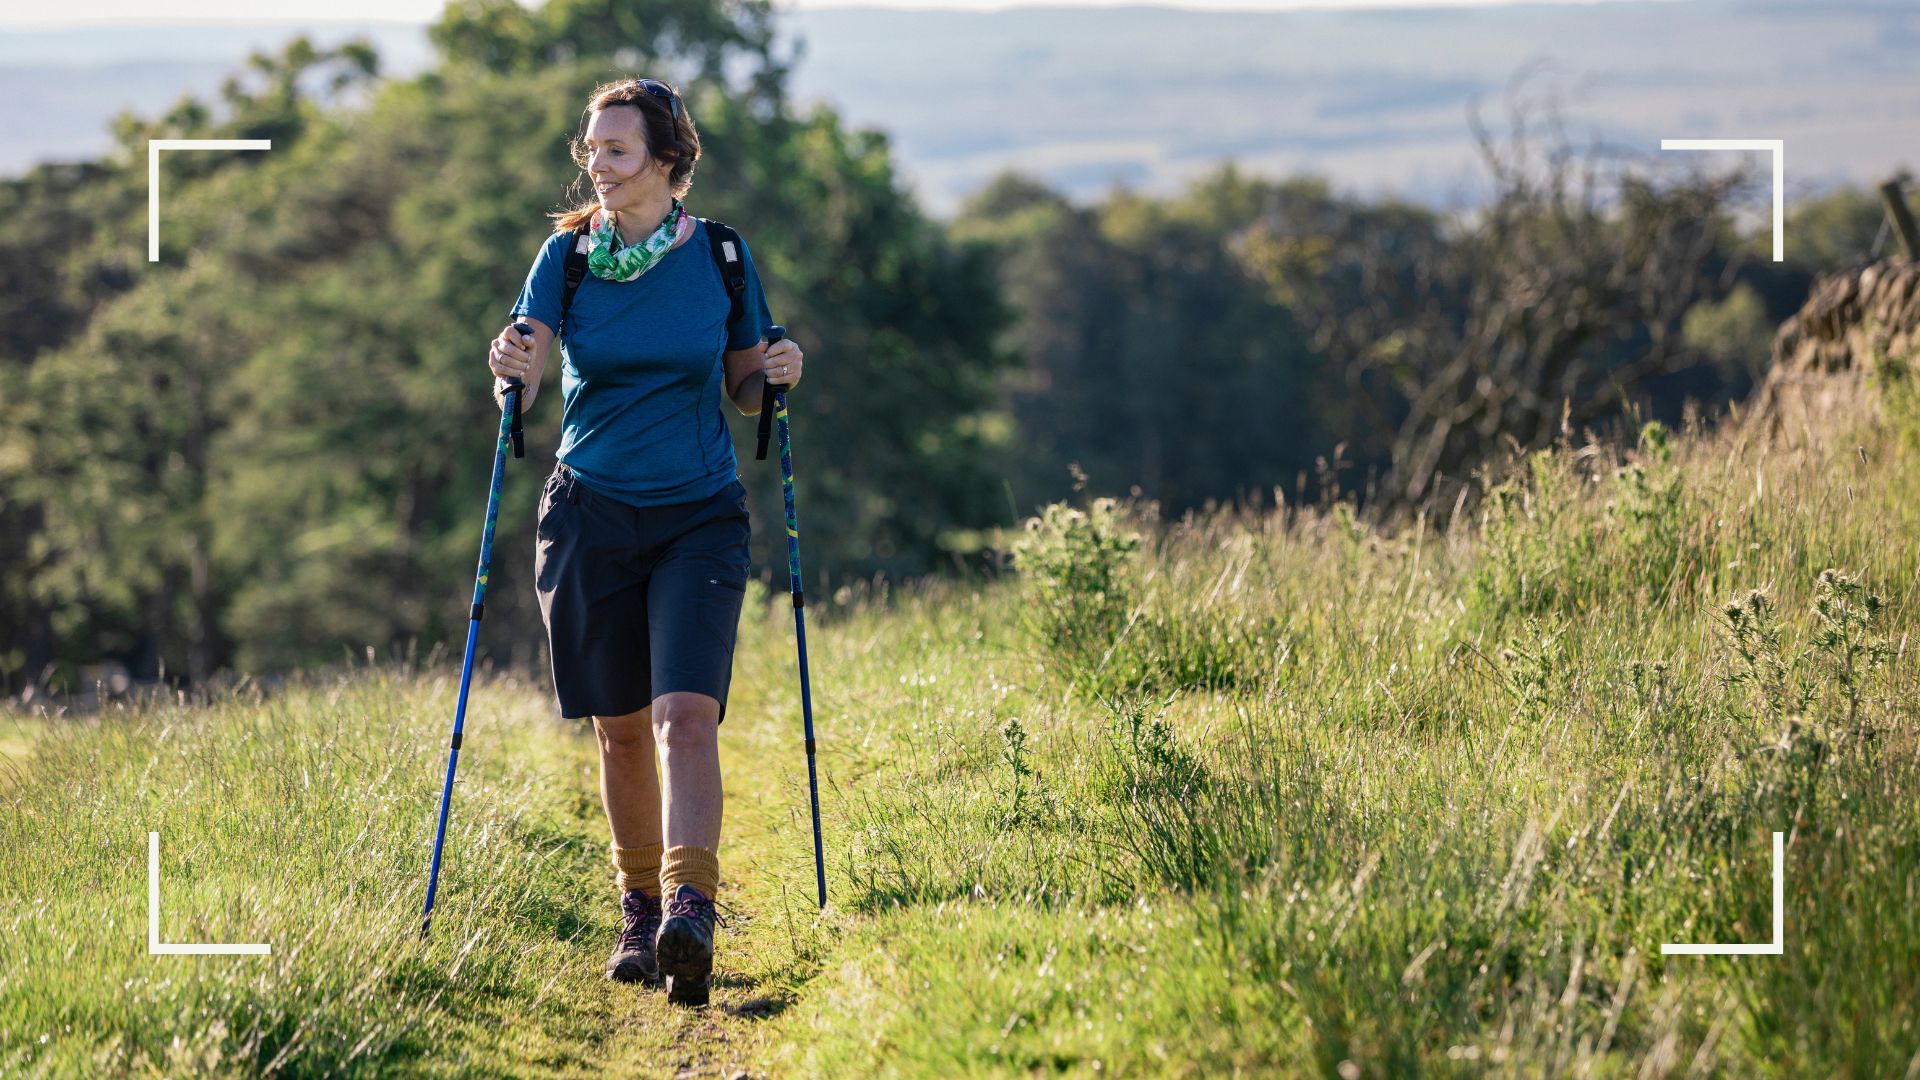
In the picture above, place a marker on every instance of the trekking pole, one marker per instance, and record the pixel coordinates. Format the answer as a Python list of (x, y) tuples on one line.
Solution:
[(774, 405), (510, 432)]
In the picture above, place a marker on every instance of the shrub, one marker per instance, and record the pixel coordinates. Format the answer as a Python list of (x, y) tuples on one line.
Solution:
[(1545, 553), (1079, 595), (1831, 674), (1084, 609)]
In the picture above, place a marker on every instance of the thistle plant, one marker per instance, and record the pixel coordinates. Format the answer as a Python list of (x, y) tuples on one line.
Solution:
[(1018, 760), (1845, 638), (1079, 597), (1762, 664)]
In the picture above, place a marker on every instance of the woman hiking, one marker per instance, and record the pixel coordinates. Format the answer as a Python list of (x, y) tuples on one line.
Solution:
[(642, 558)]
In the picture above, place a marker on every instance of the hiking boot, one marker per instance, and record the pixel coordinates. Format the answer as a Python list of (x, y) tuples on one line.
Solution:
[(632, 959), (684, 946)]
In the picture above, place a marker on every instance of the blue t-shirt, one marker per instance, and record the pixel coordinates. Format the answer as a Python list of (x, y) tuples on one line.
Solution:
[(642, 376)]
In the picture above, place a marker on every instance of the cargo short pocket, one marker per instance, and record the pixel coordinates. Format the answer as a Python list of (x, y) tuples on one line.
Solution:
[(736, 495), (551, 510), (728, 575), (724, 578), (555, 510), (720, 612)]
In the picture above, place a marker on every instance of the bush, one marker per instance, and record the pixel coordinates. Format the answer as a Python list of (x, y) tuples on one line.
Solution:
[(1079, 593), (1547, 554), (1084, 608)]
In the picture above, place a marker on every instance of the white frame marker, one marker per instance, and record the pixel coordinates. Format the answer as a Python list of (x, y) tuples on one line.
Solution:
[(1779, 943), (155, 947), (1779, 148), (154, 146)]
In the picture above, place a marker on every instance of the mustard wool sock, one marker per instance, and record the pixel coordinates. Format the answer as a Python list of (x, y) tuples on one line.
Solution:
[(639, 868), (689, 865)]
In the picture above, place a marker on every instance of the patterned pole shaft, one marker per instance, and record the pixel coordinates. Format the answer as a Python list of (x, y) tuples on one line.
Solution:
[(508, 415), (775, 333)]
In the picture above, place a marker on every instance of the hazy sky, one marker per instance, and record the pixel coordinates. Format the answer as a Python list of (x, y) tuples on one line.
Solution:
[(25, 13)]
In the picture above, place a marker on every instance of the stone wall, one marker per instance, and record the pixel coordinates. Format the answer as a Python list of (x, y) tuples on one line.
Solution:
[(1852, 321), (1824, 355)]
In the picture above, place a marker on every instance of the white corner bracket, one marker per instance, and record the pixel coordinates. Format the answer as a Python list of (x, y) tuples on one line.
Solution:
[(1779, 944), (154, 945), (154, 146), (1779, 148)]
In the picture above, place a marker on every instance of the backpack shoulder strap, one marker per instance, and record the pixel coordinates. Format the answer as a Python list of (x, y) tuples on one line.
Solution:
[(576, 268), (725, 243)]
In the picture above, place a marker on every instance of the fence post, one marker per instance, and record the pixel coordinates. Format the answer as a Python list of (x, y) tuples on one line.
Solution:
[(1901, 217)]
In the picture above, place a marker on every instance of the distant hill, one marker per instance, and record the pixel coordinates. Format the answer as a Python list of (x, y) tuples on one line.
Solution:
[(1090, 97), (1373, 99), (63, 87)]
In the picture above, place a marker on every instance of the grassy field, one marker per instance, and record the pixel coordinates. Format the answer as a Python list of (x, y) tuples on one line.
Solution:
[(18, 735), (1260, 793)]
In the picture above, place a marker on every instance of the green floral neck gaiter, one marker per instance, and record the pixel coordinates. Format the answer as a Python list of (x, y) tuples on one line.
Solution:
[(608, 259)]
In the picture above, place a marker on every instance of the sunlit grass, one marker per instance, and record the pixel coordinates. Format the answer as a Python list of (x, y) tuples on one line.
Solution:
[(18, 735), (1291, 794)]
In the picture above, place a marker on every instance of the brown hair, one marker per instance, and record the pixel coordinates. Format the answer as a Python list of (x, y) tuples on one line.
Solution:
[(665, 139)]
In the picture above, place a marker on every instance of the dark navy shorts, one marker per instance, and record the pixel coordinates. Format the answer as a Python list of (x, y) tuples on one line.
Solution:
[(639, 601)]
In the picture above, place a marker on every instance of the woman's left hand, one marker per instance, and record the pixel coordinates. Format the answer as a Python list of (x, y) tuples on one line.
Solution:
[(783, 363)]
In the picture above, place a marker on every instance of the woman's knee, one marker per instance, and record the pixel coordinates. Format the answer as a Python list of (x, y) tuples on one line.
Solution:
[(629, 734), (686, 721)]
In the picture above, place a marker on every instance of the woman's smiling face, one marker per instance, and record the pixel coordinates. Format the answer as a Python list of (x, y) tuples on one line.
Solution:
[(624, 174)]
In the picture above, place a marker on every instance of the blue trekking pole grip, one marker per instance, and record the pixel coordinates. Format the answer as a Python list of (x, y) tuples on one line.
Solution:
[(774, 403), (510, 434)]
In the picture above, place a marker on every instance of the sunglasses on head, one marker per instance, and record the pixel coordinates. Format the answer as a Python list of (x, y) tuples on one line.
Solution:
[(662, 90)]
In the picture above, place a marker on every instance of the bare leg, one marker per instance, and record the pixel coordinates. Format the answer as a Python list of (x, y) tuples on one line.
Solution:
[(687, 728), (629, 782)]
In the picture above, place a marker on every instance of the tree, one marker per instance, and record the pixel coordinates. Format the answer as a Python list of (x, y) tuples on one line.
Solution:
[(1151, 357), (1556, 304), (507, 37), (106, 478), (55, 269), (274, 443)]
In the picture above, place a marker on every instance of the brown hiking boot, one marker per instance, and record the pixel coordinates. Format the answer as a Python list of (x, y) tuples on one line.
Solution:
[(684, 946), (632, 959)]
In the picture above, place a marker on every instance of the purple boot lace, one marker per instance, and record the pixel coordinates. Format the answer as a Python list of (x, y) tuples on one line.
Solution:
[(687, 903), (639, 920)]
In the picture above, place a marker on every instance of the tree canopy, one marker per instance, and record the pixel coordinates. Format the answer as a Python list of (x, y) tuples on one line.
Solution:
[(274, 443)]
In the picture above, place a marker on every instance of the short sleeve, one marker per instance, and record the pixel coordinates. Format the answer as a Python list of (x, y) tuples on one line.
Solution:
[(540, 296), (754, 317)]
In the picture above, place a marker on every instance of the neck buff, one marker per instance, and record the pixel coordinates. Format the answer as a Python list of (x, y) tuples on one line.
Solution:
[(608, 259)]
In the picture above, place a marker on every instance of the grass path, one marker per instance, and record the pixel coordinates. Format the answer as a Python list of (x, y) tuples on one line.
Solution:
[(305, 820), (1381, 804)]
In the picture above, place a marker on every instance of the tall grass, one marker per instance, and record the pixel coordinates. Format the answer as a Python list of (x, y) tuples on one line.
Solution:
[(297, 820), (1445, 819), (1257, 791)]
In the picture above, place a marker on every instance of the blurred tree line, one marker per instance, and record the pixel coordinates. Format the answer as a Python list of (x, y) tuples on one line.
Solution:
[(273, 445)]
